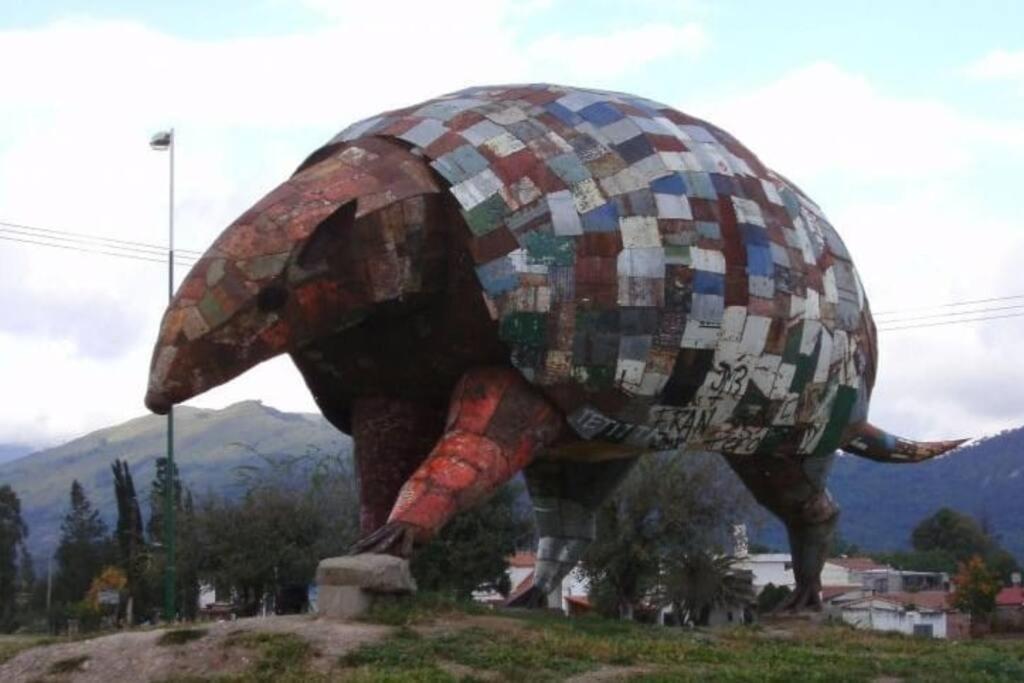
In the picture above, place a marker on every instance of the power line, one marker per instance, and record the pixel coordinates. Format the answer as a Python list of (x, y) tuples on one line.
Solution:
[(952, 304), (94, 238), (104, 252), (59, 239), (951, 322), (154, 253), (952, 314)]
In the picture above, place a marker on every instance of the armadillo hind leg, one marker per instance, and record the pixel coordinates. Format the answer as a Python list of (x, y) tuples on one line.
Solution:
[(795, 492), (392, 437), (565, 497), (496, 425)]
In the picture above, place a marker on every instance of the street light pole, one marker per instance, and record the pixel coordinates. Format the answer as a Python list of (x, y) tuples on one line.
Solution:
[(164, 140)]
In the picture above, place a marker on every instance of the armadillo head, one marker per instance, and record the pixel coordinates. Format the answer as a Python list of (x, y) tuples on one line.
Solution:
[(292, 268)]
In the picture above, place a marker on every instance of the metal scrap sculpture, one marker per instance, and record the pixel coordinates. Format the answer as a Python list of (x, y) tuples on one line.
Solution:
[(581, 277)]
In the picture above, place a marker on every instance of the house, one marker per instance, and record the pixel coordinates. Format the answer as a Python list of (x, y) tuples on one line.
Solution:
[(773, 568), (520, 566), (836, 596), (777, 569), (847, 571), (925, 613), (1009, 615), (864, 571)]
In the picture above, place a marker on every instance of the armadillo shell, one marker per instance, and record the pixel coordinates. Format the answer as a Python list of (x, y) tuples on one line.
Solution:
[(648, 271)]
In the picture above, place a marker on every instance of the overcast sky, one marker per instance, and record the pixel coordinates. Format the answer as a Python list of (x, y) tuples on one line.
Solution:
[(904, 121)]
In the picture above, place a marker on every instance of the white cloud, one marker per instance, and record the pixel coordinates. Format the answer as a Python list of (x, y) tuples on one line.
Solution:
[(906, 183), (78, 110), (822, 119), (998, 65), (894, 174), (610, 55)]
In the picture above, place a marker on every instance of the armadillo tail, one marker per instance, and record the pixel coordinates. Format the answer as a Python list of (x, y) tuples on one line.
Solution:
[(868, 441)]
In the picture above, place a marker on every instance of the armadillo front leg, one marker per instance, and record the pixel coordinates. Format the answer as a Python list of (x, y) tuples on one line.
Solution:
[(392, 437), (496, 425)]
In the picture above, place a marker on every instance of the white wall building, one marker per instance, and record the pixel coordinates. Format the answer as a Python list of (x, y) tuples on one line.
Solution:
[(880, 613), (773, 568)]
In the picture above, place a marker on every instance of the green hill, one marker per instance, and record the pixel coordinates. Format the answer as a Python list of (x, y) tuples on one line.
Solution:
[(881, 503), (985, 478), (12, 451), (209, 446)]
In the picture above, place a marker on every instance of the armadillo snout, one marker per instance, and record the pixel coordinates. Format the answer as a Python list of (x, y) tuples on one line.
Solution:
[(157, 403)]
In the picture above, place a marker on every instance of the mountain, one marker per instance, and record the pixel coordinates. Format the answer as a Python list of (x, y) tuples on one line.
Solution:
[(13, 451), (209, 446), (881, 503)]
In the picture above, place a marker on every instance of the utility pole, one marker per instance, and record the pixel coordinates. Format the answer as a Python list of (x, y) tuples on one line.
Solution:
[(164, 140), (49, 583)]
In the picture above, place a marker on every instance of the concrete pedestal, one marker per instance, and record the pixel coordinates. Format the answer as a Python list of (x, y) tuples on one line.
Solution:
[(347, 585)]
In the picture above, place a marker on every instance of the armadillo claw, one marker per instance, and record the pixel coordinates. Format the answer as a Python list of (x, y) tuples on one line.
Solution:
[(394, 538)]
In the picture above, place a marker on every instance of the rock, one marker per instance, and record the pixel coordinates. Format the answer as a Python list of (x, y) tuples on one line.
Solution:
[(342, 602), (347, 585), (370, 572)]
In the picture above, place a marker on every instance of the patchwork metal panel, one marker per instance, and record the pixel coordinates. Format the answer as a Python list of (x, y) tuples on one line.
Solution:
[(731, 261)]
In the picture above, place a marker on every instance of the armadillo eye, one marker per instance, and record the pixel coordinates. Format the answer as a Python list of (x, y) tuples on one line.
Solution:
[(271, 298)]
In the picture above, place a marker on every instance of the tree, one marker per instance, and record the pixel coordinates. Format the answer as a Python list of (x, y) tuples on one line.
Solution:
[(951, 534), (952, 531), (131, 543), (935, 560), (976, 588), (294, 512), (771, 596), (698, 581), (470, 551), (163, 480), (258, 545), (186, 559), (840, 547), (26, 569), (12, 532), (84, 547), (667, 509)]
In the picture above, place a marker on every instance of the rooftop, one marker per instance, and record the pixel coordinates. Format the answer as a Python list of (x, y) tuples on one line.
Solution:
[(524, 585), (1010, 597), (522, 558), (829, 592), (856, 564), (927, 601)]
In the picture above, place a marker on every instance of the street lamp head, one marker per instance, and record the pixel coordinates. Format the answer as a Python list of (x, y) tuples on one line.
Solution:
[(162, 140)]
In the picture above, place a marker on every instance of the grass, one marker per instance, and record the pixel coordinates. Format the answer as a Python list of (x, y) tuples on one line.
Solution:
[(12, 645), (69, 665), (402, 610), (180, 636), (552, 648), (475, 648), (442, 641), (280, 656)]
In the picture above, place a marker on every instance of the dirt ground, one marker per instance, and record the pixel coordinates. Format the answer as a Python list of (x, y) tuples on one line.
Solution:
[(135, 656)]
